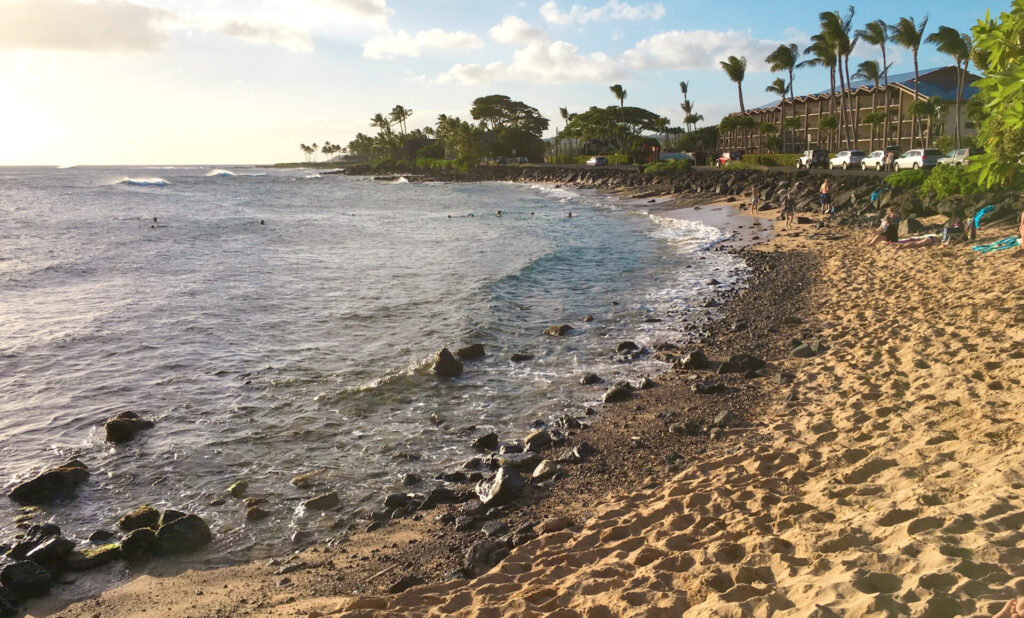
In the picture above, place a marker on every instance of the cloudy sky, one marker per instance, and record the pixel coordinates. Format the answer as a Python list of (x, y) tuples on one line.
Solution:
[(245, 81)]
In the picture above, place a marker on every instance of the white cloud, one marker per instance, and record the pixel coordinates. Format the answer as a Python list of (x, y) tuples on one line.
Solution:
[(101, 26), (515, 31), (559, 62), (370, 10), (264, 34), (394, 44), (612, 10)]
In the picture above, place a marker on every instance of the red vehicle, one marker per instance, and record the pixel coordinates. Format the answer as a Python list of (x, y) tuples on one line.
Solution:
[(725, 157)]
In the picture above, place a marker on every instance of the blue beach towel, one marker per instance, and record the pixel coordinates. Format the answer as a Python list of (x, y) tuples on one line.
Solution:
[(999, 245), (981, 213)]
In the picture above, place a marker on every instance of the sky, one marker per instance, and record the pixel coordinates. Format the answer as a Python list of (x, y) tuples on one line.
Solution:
[(148, 82)]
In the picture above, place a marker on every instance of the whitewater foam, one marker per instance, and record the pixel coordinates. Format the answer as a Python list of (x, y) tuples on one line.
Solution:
[(143, 182), (221, 173)]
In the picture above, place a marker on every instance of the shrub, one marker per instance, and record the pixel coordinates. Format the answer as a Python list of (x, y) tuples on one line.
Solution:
[(773, 160), (613, 159), (906, 178), (743, 164), (947, 180), (675, 165)]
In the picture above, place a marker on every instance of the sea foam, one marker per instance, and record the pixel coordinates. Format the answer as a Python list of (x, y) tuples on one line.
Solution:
[(143, 182)]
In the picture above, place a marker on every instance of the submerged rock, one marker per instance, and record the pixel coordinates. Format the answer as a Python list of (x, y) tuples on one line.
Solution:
[(125, 426), (143, 517), (471, 352), (445, 365), (560, 330), (139, 544), (322, 502), (520, 357), (184, 534), (590, 378), (53, 485), (626, 347), (92, 558)]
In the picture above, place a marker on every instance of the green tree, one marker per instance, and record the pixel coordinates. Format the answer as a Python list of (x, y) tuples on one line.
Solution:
[(828, 125), (908, 34), (823, 54), (870, 71), (877, 33), (958, 45), (736, 69), (835, 30), (620, 94)]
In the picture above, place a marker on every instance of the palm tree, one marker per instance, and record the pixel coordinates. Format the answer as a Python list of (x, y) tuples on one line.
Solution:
[(835, 30), (312, 150), (693, 119), (870, 71), (877, 33), (305, 150), (794, 123), (908, 35), (620, 94), (778, 87), (823, 54), (684, 87), (736, 69), (958, 45), (687, 107), (399, 115), (829, 124)]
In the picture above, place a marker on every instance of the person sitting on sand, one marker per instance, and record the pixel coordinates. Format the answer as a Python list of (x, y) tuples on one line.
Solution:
[(825, 194), (1014, 608), (888, 230), (788, 209)]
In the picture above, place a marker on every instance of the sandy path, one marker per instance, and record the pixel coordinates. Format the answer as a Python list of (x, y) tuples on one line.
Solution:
[(888, 484)]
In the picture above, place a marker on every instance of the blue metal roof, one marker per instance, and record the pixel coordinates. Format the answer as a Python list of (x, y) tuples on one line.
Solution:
[(945, 89)]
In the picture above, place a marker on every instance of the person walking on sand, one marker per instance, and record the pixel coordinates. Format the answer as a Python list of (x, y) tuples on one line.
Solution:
[(825, 195), (755, 200), (788, 209)]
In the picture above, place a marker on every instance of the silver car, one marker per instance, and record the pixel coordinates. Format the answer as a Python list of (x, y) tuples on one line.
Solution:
[(846, 159), (919, 158), (873, 161)]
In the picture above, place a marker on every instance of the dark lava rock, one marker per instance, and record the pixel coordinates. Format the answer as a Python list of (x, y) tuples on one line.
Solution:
[(584, 450), (125, 426), (52, 485), (411, 479), (407, 581), (647, 383), (741, 363), (588, 319), (708, 387), (482, 557), (445, 365), (170, 515), (695, 360), (740, 325), (26, 579), (527, 460), (568, 421), (92, 558), (620, 392), (143, 517), (626, 347), (322, 502), (464, 523), (486, 442), (511, 448), (101, 536), (520, 357), (256, 513), (804, 220), (725, 418), (590, 378), (537, 440), (187, 533), (560, 330), (802, 351), (51, 554), (506, 486), (396, 501), (471, 352), (457, 476), (545, 470), (494, 529), (139, 544), (238, 489), (442, 495), (712, 282)]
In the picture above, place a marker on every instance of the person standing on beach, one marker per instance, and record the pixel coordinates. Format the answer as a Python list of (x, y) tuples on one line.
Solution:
[(788, 209), (825, 194), (755, 200)]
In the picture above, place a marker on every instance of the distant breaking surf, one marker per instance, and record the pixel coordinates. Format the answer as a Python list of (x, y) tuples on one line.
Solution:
[(143, 182)]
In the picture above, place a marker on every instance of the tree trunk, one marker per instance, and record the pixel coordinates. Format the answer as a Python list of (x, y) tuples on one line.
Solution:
[(739, 87)]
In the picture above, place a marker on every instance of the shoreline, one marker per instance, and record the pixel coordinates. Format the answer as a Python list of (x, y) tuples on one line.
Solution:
[(763, 484), (55, 602)]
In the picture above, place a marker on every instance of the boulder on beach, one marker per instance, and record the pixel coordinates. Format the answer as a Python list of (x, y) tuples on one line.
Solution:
[(143, 517), (184, 534), (125, 426), (308, 480), (506, 486), (620, 392), (322, 502), (545, 470), (486, 442), (138, 544), (52, 485), (471, 352), (482, 556), (559, 330), (89, 559), (741, 363), (26, 579), (445, 365), (537, 440), (694, 361), (255, 513), (626, 347), (590, 378), (51, 553), (170, 515)]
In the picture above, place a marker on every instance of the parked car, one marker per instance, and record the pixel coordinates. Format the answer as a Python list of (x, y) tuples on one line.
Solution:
[(596, 161), (960, 156), (873, 161), (846, 159), (725, 157), (522, 160), (919, 158), (813, 158)]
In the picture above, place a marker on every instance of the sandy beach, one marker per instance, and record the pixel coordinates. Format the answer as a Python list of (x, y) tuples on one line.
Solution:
[(878, 476)]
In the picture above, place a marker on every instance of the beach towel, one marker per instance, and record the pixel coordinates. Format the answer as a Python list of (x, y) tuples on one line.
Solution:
[(999, 245), (981, 213), (918, 238)]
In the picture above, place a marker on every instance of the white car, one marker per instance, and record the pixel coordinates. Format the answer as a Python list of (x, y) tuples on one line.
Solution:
[(846, 159), (919, 158), (873, 161), (596, 161)]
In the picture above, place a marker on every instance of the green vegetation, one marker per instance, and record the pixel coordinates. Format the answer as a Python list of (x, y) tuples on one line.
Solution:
[(906, 178), (949, 180), (773, 160), (676, 165), (613, 159), (999, 53)]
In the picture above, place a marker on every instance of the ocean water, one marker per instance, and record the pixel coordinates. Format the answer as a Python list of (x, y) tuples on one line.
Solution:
[(268, 350)]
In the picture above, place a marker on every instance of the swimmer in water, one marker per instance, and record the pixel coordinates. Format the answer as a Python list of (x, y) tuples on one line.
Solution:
[(261, 222), (570, 214), (499, 214)]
